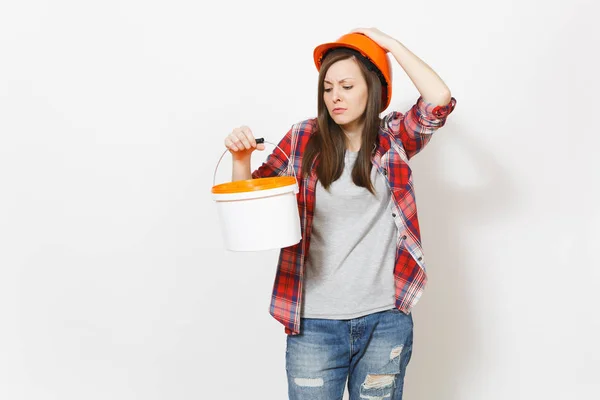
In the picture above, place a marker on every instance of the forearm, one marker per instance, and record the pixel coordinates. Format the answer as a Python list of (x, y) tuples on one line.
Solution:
[(241, 170), (428, 83)]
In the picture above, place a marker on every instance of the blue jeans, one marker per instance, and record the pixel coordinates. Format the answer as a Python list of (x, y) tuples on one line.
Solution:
[(371, 352)]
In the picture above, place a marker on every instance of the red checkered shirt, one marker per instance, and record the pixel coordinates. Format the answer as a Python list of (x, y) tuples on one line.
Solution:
[(401, 136)]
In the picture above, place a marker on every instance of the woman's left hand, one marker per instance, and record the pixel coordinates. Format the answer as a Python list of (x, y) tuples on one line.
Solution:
[(383, 40)]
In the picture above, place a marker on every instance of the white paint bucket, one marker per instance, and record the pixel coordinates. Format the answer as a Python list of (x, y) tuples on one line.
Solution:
[(258, 214)]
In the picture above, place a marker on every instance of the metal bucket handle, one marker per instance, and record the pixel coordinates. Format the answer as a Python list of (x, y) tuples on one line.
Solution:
[(258, 141)]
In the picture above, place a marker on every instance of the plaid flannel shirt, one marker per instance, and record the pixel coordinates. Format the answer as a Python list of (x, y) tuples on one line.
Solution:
[(401, 136)]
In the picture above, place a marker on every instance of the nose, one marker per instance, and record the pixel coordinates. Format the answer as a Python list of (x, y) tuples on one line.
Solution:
[(335, 95)]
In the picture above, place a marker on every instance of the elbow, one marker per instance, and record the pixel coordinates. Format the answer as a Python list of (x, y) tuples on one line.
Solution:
[(444, 97), (439, 98)]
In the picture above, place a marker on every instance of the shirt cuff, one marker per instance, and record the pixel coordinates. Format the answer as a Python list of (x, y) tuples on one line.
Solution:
[(432, 111)]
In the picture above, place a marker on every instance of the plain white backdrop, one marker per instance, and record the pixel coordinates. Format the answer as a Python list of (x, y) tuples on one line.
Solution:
[(114, 281)]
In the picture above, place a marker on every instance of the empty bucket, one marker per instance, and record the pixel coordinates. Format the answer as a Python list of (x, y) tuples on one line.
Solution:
[(258, 214)]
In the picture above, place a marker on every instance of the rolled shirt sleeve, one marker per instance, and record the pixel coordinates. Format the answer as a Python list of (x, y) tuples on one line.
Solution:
[(414, 129)]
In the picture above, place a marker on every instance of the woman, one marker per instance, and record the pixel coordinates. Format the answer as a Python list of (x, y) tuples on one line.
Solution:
[(346, 303)]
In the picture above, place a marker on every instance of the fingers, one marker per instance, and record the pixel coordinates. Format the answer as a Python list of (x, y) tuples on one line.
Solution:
[(245, 138), (230, 144), (240, 139)]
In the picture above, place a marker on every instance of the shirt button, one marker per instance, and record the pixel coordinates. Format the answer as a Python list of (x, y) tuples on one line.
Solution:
[(420, 258), (384, 171), (394, 215), (403, 237)]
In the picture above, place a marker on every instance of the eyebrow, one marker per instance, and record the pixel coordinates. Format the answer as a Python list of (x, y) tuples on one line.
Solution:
[(345, 79)]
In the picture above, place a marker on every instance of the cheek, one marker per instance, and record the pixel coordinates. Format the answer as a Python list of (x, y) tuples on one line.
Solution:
[(362, 100), (357, 101)]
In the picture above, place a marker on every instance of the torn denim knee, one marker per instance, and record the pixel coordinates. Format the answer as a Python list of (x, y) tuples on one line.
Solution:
[(381, 383)]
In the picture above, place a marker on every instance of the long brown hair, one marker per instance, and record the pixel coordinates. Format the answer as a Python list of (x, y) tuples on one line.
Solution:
[(327, 145)]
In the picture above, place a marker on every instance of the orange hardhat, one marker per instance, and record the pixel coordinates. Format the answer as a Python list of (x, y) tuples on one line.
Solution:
[(370, 50)]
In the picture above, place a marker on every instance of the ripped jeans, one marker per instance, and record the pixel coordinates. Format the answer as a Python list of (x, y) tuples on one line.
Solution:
[(370, 352)]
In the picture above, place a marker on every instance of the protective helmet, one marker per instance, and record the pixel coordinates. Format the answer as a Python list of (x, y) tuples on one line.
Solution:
[(375, 55)]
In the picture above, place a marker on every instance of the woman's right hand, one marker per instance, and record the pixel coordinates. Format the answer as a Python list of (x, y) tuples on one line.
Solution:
[(241, 143)]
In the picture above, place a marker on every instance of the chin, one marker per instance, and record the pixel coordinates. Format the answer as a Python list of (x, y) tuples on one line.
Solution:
[(340, 119)]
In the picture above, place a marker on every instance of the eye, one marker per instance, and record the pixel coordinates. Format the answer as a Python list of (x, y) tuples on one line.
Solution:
[(327, 90), (347, 87)]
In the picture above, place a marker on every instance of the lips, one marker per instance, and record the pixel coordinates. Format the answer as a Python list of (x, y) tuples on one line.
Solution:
[(338, 110)]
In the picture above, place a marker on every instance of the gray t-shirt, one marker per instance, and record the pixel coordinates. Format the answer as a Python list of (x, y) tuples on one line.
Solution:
[(350, 263)]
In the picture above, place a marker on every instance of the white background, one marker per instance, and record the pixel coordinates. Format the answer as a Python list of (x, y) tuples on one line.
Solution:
[(114, 281)]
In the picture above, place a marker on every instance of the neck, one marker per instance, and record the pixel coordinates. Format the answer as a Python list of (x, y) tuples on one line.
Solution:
[(353, 136), (353, 146)]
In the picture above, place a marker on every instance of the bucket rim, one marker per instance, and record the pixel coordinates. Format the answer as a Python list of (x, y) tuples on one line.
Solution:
[(253, 185)]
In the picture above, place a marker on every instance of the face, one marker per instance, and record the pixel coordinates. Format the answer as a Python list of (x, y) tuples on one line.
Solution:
[(345, 92)]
